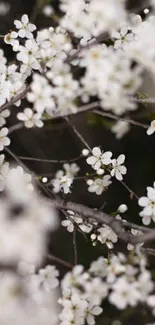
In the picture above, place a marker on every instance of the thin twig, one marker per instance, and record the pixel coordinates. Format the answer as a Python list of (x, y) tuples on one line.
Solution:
[(75, 247), (78, 134), (60, 261), (36, 9), (149, 251), (118, 118), (51, 160), (15, 127), (129, 190)]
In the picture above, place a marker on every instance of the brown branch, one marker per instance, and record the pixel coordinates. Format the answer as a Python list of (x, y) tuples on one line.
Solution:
[(118, 118), (116, 225), (128, 224), (15, 99), (15, 127), (60, 261)]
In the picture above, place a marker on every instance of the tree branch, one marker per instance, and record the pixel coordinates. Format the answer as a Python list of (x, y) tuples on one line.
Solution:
[(116, 225), (15, 99)]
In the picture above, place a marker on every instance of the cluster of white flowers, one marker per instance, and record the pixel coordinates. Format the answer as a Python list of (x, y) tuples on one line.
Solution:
[(98, 232), (75, 220), (64, 179), (120, 128), (26, 218), (122, 283), (148, 204), (30, 118), (137, 48), (110, 77), (102, 162), (89, 18), (18, 300)]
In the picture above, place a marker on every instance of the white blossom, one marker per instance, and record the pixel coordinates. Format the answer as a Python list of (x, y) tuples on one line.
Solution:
[(11, 38), (71, 169), (118, 169), (107, 235), (25, 28), (124, 293), (92, 311), (3, 115), (99, 185), (122, 37), (4, 140), (62, 182), (69, 224), (4, 170), (48, 277), (148, 204), (120, 128), (30, 118), (151, 128), (41, 94), (98, 158)]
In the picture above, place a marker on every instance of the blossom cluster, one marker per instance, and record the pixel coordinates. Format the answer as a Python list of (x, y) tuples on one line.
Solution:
[(101, 162), (64, 179), (98, 232), (148, 204), (120, 282)]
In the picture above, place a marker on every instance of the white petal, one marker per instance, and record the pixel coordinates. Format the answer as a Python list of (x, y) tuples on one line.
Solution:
[(6, 141), (28, 112), (21, 33), (118, 175), (124, 30), (3, 132), (120, 159), (90, 319), (123, 170), (18, 24), (96, 152), (25, 19), (91, 160), (143, 201), (97, 310), (151, 193), (150, 130), (146, 220), (21, 117)]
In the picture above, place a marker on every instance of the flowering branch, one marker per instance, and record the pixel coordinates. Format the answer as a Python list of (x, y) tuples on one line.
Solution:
[(103, 218), (15, 99)]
